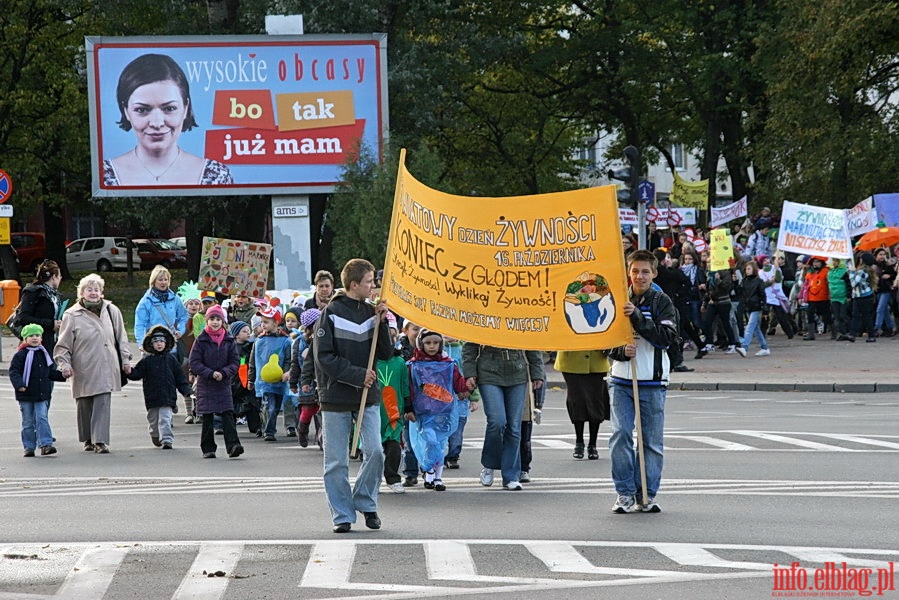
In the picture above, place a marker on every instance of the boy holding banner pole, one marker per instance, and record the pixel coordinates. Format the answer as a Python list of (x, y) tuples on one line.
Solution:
[(637, 391), (347, 340)]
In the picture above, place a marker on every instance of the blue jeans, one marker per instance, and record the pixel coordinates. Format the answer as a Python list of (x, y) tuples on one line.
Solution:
[(455, 440), (625, 471), (754, 328), (338, 432), (503, 406), (271, 404), (883, 319), (35, 425)]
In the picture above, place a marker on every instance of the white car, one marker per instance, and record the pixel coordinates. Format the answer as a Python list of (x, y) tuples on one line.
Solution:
[(100, 254)]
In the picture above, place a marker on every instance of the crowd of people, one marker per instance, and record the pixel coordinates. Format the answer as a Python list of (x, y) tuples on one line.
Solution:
[(341, 362)]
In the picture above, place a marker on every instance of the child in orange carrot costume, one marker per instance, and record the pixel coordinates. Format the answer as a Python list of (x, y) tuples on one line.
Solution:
[(394, 380)]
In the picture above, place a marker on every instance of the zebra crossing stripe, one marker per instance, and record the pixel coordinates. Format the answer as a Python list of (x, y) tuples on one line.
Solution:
[(794, 441), (718, 443), (92, 574), (863, 440), (562, 557), (696, 556), (197, 585)]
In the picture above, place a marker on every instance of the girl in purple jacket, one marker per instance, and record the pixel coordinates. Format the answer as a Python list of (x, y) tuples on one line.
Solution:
[(214, 363)]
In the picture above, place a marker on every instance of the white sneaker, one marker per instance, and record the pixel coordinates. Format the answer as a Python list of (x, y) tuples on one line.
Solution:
[(763, 353), (397, 488), (524, 477), (513, 486), (624, 505), (741, 351), (709, 348), (731, 350), (486, 477)]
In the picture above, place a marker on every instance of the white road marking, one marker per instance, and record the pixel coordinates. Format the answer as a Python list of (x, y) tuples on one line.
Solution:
[(212, 557), (330, 566), (93, 573), (726, 445), (794, 441), (862, 440)]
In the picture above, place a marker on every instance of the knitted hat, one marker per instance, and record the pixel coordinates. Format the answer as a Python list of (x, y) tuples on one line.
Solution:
[(236, 326), (425, 333), (761, 258), (309, 317), (270, 312), (208, 297), (291, 314), (35, 329), (866, 257), (216, 311)]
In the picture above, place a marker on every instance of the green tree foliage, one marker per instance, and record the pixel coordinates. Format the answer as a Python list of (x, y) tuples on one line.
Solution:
[(832, 77)]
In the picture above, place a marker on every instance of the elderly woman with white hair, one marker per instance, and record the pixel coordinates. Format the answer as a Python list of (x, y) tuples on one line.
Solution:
[(92, 349), (159, 306)]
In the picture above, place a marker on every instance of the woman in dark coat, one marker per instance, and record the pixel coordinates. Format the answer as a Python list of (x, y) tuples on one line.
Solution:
[(41, 302), (214, 363)]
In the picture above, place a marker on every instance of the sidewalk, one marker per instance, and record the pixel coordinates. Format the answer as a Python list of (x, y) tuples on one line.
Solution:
[(794, 365)]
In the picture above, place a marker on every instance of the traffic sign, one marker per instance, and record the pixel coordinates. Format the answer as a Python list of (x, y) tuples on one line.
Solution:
[(5, 186), (5, 236), (6, 210), (646, 192)]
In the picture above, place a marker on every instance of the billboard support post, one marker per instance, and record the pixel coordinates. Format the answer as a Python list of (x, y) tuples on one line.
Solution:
[(291, 240)]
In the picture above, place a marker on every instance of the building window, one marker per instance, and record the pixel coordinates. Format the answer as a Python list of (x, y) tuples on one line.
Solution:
[(588, 155), (679, 156), (86, 226)]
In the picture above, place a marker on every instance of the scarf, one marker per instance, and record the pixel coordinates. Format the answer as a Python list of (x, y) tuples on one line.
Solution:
[(689, 271), (215, 336), (161, 295), (94, 307), (53, 295), (29, 360)]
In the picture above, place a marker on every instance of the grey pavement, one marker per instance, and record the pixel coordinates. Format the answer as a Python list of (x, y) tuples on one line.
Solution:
[(794, 365)]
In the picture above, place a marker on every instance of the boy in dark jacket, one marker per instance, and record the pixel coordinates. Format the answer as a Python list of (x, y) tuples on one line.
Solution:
[(32, 373), (163, 379)]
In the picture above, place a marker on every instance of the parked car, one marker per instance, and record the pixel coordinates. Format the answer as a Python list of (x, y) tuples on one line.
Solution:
[(100, 254), (31, 248), (163, 252), (181, 242)]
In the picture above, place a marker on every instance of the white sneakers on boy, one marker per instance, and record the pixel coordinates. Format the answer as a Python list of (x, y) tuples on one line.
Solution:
[(486, 477)]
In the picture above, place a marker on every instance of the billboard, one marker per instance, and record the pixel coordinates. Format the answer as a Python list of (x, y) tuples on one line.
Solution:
[(228, 115)]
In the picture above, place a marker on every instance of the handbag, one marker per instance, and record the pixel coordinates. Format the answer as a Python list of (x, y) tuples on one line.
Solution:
[(13, 321), (118, 352)]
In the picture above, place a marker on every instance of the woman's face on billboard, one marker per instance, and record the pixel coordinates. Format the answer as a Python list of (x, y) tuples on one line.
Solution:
[(156, 112)]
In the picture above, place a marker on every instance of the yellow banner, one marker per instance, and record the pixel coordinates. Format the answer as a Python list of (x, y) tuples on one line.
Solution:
[(541, 272), (691, 194), (721, 250)]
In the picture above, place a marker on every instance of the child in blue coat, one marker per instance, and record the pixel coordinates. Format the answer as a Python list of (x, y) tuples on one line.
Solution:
[(271, 388), (32, 373)]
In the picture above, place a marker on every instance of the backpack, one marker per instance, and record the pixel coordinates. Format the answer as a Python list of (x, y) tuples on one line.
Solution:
[(13, 321)]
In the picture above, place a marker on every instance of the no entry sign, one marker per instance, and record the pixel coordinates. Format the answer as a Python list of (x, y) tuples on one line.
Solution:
[(5, 186)]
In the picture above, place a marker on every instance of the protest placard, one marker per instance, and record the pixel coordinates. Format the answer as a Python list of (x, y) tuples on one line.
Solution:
[(861, 218), (693, 194), (721, 250), (732, 211), (806, 229), (232, 266)]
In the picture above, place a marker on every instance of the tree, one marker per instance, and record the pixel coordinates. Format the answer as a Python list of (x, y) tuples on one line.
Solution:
[(832, 74)]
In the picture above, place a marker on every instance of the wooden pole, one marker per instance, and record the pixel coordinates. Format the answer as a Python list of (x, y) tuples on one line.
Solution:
[(371, 362), (638, 422)]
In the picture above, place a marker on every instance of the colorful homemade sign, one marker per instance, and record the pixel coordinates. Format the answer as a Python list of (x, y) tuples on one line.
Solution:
[(861, 218), (231, 266), (659, 215), (806, 229), (542, 272), (721, 250)]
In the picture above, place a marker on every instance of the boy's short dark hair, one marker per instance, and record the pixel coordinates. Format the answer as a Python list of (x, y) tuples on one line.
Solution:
[(354, 270), (643, 256)]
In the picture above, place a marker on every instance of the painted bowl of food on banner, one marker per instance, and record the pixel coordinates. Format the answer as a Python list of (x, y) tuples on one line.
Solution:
[(589, 305)]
